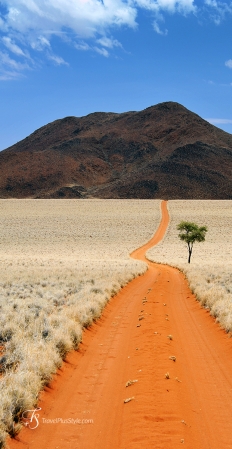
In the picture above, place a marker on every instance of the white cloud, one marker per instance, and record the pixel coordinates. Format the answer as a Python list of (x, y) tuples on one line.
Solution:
[(40, 43), (172, 6), (158, 30), (218, 10), (219, 121), (109, 42), (102, 51), (105, 42), (85, 18), (229, 63), (30, 25), (7, 61), (13, 47), (6, 75), (211, 3), (10, 69), (3, 26), (57, 59), (82, 46)]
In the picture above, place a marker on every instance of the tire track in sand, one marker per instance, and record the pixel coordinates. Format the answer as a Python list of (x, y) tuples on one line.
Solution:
[(191, 409)]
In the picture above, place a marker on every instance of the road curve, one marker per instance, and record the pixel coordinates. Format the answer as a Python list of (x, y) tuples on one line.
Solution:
[(182, 401)]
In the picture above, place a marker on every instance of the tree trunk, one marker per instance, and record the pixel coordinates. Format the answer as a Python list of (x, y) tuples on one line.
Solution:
[(190, 253)]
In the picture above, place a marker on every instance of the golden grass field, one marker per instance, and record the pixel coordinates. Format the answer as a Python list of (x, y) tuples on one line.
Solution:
[(210, 270), (60, 262)]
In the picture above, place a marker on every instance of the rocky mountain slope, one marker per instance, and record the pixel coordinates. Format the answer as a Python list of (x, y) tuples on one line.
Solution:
[(164, 151)]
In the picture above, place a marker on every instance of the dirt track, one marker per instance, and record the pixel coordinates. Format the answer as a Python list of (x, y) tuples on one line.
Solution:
[(191, 409)]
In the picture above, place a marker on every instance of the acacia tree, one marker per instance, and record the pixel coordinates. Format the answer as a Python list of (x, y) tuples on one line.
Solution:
[(191, 233)]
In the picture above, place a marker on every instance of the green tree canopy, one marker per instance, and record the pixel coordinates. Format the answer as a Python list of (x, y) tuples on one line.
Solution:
[(191, 233)]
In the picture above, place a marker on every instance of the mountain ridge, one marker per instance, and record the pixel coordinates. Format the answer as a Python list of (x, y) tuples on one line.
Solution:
[(163, 151)]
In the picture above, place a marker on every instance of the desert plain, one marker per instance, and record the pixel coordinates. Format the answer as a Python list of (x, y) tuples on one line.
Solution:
[(61, 263)]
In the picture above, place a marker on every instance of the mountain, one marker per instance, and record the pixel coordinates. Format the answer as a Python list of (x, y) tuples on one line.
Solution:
[(164, 151)]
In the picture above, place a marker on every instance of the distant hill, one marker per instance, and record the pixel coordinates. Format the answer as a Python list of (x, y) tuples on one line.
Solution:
[(164, 151)]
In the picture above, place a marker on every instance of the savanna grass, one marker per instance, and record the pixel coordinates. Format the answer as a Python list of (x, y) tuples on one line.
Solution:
[(210, 271), (60, 262)]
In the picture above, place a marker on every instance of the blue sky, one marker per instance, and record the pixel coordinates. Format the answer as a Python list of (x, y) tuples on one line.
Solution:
[(74, 57)]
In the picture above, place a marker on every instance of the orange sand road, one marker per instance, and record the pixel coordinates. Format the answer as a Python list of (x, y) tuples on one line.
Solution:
[(191, 409)]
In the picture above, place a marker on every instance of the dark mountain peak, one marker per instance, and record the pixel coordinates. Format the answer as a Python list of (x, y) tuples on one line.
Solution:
[(101, 115), (164, 150), (168, 105)]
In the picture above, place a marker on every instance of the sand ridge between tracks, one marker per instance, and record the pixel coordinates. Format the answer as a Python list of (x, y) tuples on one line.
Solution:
[(155, 334)]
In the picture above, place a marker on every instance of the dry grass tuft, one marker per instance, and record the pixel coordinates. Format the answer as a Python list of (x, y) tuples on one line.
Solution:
[(128, 400), (131, 382)]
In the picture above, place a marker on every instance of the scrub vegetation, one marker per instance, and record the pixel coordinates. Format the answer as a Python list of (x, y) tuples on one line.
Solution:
[(191, 233), (210, 271), (60, 262)]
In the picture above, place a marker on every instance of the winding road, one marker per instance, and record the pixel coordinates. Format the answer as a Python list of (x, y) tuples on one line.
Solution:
[(155, 333)]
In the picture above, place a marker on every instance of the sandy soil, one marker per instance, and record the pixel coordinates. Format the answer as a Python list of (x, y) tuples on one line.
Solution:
[(191, 409)]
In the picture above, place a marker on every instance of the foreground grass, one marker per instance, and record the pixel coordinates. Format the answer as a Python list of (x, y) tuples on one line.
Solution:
[(210, 271), (60, 262)]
